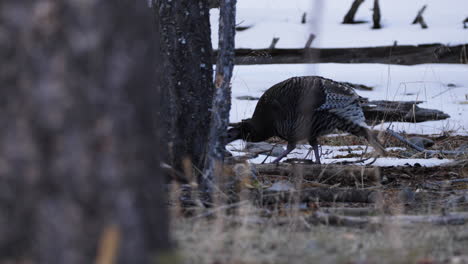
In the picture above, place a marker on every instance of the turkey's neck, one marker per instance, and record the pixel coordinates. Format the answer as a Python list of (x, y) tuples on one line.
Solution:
[(263, 130)]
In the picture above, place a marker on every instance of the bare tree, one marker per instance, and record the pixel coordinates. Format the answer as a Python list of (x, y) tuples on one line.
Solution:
[(186, 46), (79, 168), (222, 98), (349, 17)]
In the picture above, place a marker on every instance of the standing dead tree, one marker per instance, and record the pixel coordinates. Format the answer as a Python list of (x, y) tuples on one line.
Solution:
[(222, 97), (419, 18), (188, 79), (349, 17), (376, 15), (78, 150)]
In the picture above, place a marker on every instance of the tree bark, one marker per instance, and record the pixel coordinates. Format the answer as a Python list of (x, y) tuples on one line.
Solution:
[(188, 79), (349, 17), (78, 149), (222, 98)]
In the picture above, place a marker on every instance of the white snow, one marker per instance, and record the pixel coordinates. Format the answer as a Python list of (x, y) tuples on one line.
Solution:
[(331, 154), (280, 18), (430, 83)]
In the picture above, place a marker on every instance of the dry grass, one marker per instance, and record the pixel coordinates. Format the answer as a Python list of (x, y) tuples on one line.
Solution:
[(222, 241), (249, 235)]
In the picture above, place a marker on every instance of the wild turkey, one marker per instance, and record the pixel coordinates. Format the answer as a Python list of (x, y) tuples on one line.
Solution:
[(305, 108)]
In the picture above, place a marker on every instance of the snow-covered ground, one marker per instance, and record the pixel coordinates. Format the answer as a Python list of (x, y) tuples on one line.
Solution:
[(281, 18), (440, 86), (331, 154)]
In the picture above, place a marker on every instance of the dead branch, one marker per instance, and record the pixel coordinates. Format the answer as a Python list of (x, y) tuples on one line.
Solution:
[(273, 43), (349, 17), (309, 41), (420, 149), (419, 18), (376, 15), (420, 12), (303, 19), (329, 174)]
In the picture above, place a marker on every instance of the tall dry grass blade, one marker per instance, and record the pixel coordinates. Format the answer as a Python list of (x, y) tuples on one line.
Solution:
[(108, 245)]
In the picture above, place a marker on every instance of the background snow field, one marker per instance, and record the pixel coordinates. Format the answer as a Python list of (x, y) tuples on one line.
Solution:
[(280, 18), (440, 86)]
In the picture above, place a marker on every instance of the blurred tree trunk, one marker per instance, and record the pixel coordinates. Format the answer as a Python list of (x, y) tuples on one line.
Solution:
[(79, 169), (222, 98), (188, 71), (349, 17)]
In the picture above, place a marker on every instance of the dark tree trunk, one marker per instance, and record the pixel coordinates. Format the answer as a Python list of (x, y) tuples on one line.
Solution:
[(79, 169), (186, 45), (349, 17), (222, 99), (376, 15)]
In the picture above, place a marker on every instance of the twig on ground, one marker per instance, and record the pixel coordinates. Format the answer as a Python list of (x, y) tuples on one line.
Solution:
[(420, 149)]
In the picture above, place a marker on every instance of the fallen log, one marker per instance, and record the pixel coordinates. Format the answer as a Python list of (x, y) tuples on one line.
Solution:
[(381, 110), (329, 174), (344, 195), (401, 54), (351, 211), (354, 221)]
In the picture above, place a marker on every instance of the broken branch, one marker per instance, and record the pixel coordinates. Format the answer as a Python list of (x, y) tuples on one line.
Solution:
[(420, 149)]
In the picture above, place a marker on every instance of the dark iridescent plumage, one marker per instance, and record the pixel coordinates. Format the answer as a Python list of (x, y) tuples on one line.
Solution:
[(304, 108)]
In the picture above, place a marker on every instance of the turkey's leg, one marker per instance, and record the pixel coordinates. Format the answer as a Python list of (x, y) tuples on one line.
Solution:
[(315, 147)]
